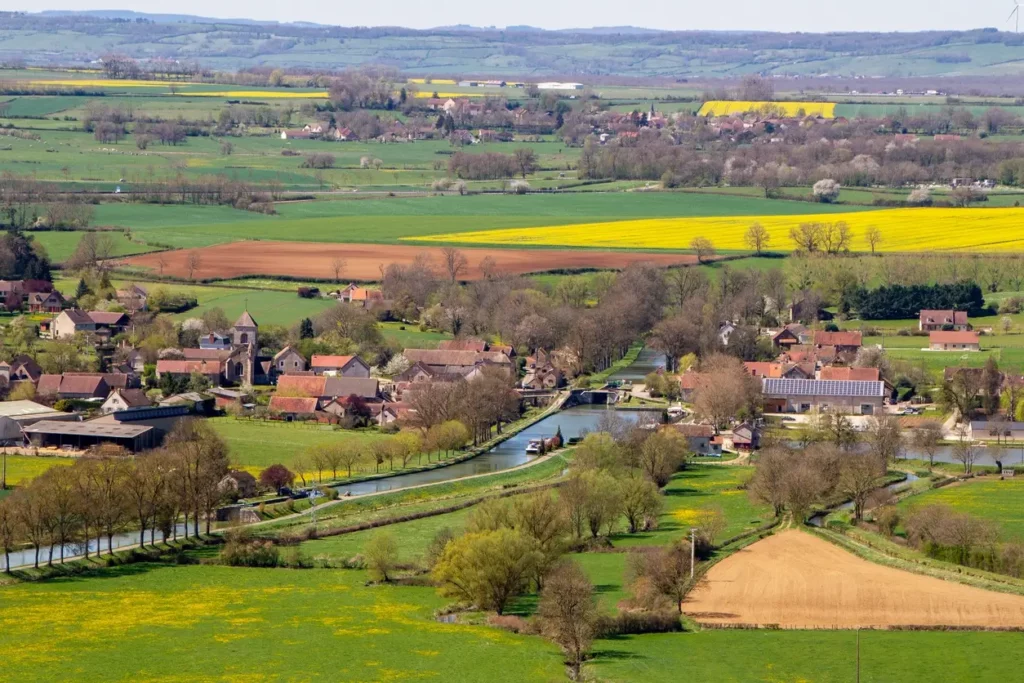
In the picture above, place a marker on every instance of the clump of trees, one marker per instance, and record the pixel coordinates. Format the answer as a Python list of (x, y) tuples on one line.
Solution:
[(106, 492), (898, 301), (944, 533)]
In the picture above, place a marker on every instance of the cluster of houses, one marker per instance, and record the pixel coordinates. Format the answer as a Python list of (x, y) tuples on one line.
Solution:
[(815, 368)]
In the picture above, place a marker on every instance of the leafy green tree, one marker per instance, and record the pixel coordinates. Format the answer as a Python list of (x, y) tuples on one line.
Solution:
[(487, 569)]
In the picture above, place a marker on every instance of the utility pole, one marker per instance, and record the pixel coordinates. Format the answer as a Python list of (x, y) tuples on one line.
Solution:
[(693, 551), (858, 655)]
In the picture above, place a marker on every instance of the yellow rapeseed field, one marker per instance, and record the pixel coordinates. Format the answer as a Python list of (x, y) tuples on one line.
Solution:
[(726, 107), (903, 230), (433, 81)]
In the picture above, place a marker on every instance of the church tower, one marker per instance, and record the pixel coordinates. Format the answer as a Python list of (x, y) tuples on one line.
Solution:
[(245, 335)]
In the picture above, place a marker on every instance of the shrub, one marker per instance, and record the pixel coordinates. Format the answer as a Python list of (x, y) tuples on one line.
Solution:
[(634, 622), (318, 160), (887, 518), (242, 550)]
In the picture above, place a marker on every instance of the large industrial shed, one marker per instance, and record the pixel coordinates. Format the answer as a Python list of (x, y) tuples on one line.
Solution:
[(16, 415), (82, 435), (137, 429)]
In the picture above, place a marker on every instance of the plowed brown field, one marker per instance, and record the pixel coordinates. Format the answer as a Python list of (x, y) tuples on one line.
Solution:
[(796, 580), (364, 261)]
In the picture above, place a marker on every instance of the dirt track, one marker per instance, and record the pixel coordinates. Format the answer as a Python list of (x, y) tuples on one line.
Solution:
[(796, 580), (364, 261)]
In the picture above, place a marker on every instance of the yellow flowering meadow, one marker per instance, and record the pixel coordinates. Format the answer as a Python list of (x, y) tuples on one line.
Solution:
[(433, 81), (726, 107), (902, 230)]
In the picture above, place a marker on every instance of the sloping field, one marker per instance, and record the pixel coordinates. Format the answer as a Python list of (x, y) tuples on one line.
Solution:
[(903, 230), (364, 261), (726, 107), (796, 580)]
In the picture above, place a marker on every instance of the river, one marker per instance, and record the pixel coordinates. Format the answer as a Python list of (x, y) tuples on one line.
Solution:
[(508, 454)]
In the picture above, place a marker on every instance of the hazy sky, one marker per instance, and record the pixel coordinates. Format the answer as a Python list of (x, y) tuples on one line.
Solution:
[(780, 15)]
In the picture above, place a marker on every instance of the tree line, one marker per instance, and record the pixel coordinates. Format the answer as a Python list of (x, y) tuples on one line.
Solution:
[(106, 493)]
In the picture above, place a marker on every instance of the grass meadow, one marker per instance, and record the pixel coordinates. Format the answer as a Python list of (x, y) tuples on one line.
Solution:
[(24, 468), (255, 444), (218, 623), (267, 306), (60, 245), (999, 501)]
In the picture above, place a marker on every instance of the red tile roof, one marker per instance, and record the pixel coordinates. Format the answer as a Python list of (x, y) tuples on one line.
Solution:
[(837, 339), (953, 337), (477, 345), (299, 385), (946, 317), (856, 374), (330, 361), (292, 404), (187, 367)]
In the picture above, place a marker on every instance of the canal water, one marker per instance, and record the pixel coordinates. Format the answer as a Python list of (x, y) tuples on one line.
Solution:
[(647, 362), (574, 422), (819, 518)]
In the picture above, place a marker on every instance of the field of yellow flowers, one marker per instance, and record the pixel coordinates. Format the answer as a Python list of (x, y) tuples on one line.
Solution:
[(902, 230), (726, 107)]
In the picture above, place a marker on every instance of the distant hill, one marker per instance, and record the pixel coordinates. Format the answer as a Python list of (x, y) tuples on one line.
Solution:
[(578, 53)]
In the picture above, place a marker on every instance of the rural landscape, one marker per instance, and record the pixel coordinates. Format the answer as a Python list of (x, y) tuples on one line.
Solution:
[(607, 354)]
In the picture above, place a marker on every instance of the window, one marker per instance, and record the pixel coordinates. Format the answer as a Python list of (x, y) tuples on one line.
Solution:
[(245, 338)]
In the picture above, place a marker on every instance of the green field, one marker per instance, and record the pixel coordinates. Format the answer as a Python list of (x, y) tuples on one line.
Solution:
[(1001, 502), (268, 307), (255, 444), (411, 337), (806, 656), (24, 468), (60, 245), (154, 622), (389, 220)]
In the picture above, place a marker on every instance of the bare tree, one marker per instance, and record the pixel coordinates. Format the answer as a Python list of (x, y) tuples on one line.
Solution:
[(836, 237), (192, 262), (874, 237), (885, 435), (161, 262), (455, 263), (703, 248), (806, 237), (757, 237), (337, 267), (927, 437), (858, 477), (964, 450), (568, 613)]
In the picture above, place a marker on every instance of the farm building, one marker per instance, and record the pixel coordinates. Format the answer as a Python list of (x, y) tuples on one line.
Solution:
[(993, 430), (934, 321), (82, 435), (137, 430), (293, 407), (804, 395), (125, 399), (340, 366), (954, 341), (701, 438), (843, 342)]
